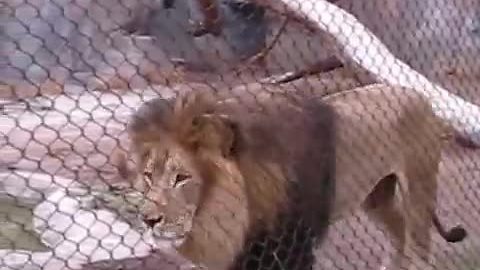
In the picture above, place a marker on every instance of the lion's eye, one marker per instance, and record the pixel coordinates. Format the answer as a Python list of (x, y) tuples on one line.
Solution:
[(181, 179)]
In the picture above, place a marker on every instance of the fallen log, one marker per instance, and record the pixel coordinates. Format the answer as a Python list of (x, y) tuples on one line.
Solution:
[(358, 45)]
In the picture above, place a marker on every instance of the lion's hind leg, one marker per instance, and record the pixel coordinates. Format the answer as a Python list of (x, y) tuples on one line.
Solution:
[(419, 180), (382, 208), (421, 201)]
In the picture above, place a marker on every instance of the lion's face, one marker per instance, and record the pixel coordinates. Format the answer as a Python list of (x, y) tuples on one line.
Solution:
[(172, 188), (179, 151)]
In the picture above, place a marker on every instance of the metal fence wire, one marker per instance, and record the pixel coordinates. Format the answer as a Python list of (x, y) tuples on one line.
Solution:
[(239, 134)]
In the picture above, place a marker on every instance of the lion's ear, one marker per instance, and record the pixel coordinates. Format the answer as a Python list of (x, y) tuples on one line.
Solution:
[(150, 120), (214, 133)]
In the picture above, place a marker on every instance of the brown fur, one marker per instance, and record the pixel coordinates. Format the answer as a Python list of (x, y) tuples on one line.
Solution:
[(275, 153), (386, 132)]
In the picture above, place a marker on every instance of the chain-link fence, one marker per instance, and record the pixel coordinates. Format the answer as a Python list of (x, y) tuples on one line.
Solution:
[(239, 134)]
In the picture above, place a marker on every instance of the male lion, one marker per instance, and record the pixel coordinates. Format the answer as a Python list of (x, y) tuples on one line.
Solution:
[(239, 176)]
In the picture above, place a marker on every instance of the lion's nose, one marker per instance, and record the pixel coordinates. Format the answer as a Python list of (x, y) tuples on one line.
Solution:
[(152, 221)]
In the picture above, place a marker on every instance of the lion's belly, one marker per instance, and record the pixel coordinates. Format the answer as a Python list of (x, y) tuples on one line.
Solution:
[(351, 191), (360, 165)]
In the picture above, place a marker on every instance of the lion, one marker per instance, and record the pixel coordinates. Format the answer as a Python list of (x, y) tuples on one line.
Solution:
[(223, 171)]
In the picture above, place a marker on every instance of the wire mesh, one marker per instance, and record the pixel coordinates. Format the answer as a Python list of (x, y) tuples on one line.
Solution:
[(354, 125)]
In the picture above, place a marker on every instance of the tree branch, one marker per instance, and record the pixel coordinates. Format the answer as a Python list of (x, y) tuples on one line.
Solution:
[(359, 45)]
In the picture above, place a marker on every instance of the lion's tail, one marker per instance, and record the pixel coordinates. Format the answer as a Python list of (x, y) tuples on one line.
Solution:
[(455, 234)]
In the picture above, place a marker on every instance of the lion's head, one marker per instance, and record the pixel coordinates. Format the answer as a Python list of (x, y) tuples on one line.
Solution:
[(179, 150), (172, 187)]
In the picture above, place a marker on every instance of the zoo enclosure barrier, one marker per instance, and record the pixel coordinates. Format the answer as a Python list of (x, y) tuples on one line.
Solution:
[(74, 72)]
